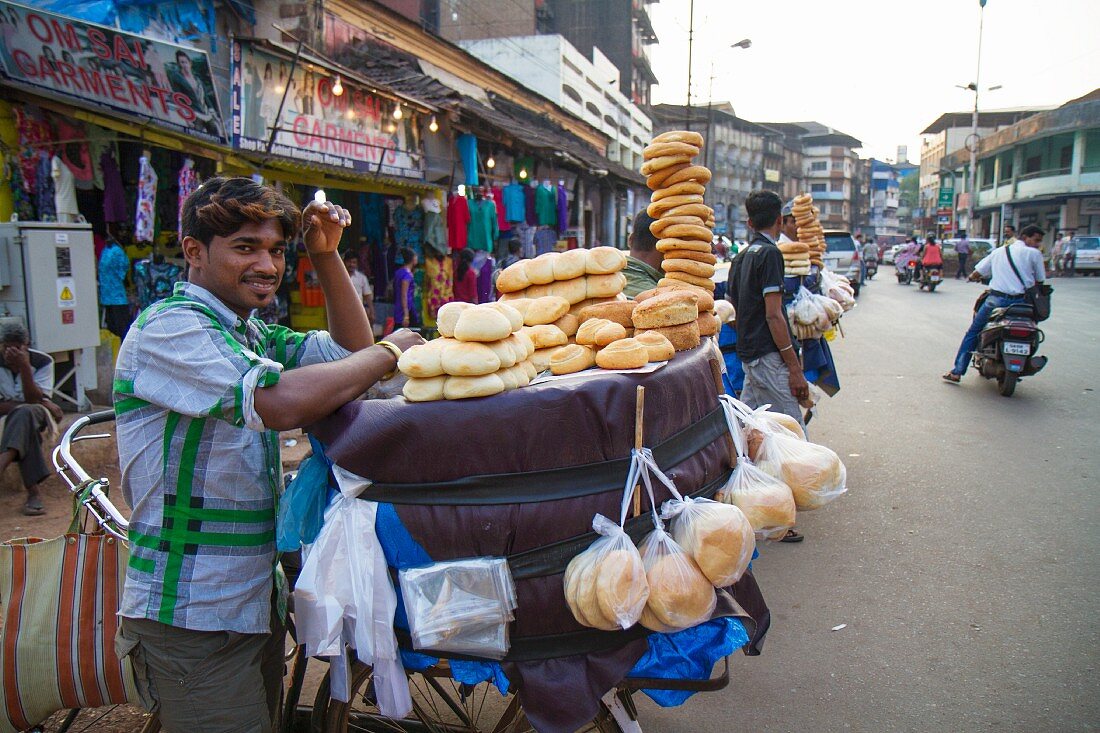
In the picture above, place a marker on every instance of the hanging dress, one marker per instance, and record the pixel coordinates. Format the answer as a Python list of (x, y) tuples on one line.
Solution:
[(146, 202)]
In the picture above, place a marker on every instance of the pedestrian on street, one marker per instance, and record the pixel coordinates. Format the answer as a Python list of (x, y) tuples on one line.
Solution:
[(111, 273), (1005, 288), (1069, 258), (773, 373), (1056, 252), (1010, 235), (360, 282), (202, 388), (962, 248)]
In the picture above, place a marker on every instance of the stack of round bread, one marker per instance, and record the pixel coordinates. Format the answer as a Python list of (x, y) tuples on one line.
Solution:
[(576, 275), (683, 223), (606, 590), (796, 258), (810, 231), (674, 314), (708, 321), (483, 352)]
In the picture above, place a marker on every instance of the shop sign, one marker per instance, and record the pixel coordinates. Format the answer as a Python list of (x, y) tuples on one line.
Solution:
[(355, 130), (165, 83), (1090, 206), (771, 175)]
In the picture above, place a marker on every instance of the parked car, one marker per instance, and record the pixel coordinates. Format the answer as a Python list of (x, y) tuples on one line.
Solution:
[(1088, 255), (842, 256), (979, 248), (889, 255)]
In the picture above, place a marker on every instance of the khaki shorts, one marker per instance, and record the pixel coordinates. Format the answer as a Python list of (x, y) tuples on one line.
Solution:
[(205, 681)]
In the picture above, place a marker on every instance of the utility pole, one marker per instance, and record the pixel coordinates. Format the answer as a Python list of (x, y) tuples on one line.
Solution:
[(973, 141), (691, 42)]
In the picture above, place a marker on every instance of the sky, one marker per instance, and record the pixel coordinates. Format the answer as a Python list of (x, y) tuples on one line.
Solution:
[(879, 70)]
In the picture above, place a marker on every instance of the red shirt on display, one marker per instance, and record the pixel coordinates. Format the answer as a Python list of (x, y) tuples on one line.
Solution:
[(458, 219)]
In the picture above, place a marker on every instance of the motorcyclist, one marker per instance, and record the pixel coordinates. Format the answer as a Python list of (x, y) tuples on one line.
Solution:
[(906, 255), (931, 256), (870, 254)]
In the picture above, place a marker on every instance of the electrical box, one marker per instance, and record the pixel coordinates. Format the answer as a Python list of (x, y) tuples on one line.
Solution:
[(48, 277)]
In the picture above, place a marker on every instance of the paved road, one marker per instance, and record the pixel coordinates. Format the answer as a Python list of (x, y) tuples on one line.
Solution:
[(964, 558)]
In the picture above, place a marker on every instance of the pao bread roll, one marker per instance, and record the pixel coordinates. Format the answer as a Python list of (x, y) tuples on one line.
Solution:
[(529, 369), (653, 165), (656, 208), (570, 264), (790, 248), (604, 261), (573, 291), (462, 388), (605, 286), (700, 282), (815, 476), (526, 342), (572, 358), (678, 189), (511, 297), (513, 278), (541, 358), (515, 318), (447, 317), (481, 323), (588, 605), (509, 379), (537, 291), (469, 359), (659, 347), (650, 621), (424, 390), (545, 336), (424, 360), (691, 267), (708, 324), (545, 310), (519, 351), (569, 584), (623, 354), (599, 332), (668, 244), (706, 298), (679, 594), (683, 337), (719, 538), (568, 324), (680, 136), (703, 212), (786, 422), (687, 254), (616, 311), (576, 309), (520, 373), (724, 311), (540, 271), (621, 586), (504, 351), (520, 305), (666, 309)]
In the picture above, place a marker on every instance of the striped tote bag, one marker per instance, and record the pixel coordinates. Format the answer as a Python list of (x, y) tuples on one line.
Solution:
[(58, 600)]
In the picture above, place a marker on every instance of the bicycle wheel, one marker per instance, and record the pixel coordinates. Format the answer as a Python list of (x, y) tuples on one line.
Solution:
[(440, 705)]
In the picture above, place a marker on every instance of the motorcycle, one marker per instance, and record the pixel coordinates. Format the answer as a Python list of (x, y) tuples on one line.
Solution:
[(904, 270), (931, 277), (872, 269), (1007, 346)]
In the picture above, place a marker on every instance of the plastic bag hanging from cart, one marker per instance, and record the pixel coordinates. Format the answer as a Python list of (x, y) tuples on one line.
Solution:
[(680, 596), (605, 586), (302, 505), (767, 502)]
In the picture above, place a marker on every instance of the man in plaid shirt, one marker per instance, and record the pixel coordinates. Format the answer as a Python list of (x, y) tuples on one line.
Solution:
[(201, 390)]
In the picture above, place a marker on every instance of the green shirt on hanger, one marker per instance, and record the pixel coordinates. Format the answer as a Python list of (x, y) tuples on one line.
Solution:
[(484, 228), (546, 206)]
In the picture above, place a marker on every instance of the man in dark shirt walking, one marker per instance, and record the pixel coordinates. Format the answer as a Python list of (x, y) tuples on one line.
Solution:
[(773, 373)]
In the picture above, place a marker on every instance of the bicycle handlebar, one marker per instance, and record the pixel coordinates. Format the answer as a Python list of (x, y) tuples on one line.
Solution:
[(96, 502)]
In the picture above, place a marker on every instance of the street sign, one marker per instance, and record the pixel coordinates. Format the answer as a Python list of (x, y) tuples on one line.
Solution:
[(947, 197)]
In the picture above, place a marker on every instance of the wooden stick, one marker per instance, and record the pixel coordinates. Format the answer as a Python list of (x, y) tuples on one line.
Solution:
[(639, 413)]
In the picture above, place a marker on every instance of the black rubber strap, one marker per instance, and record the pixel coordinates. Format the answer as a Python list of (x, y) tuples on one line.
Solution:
[(552, 559), (559, 483), (544, 647)]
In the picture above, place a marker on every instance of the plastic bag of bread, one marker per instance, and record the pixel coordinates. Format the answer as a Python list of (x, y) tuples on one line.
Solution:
[(838, 289), (805, 311), (766, 502), (717, 536), (605, 586)]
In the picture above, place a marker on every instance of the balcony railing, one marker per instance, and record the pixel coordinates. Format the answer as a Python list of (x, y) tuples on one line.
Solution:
[(1044, 174)]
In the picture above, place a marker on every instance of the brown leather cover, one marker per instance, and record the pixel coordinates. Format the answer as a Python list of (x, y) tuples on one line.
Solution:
[(565, 423)]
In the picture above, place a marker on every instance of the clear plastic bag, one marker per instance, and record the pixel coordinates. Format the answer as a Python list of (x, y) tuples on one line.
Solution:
[(766, 502), (717, 536), (461, 606), (837, 287), (605, 586)]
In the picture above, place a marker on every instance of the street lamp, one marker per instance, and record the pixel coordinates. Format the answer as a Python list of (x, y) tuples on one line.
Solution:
[(972, 141)]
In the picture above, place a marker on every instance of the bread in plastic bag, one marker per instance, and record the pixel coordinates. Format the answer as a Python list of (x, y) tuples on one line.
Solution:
[(814, 473), (680, 596), (605, 586), (717, 536)]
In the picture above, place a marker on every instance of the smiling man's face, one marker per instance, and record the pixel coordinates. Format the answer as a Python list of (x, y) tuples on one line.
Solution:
[(243, 269)]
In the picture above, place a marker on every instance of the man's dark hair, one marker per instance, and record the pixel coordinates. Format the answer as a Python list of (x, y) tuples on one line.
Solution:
[(14, 332), (641, 239), (514, 247), (182, 53), (221, 206), (1009, 226), (1031, 230), (351, 254), (930, 239), (763, 208)]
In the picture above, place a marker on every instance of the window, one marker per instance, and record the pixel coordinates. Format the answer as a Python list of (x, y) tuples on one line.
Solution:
[(593, 109), (837, 186), (838, 165), (819, 165), (571, 93), (817, 188)]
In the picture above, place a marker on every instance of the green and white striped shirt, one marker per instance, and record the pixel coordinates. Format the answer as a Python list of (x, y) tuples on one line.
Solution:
[(199, 469)]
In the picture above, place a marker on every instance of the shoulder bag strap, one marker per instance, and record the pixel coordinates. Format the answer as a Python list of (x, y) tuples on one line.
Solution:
[(1008, 253)]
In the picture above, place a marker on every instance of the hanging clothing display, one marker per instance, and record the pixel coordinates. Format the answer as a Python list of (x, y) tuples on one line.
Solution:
[(114, 194), (43, 189), (408, 229), (485, 281), (563, 207), (530, 210), (22, 204), (514, 206), (438, 284), (526, 236), (483, 231), (188, 181), (146, 202), (458, 222), (372, 218), (435, 233), (154, 281), (34, 137), (545, 240), (467, 153), (498, 199), (546, 206)]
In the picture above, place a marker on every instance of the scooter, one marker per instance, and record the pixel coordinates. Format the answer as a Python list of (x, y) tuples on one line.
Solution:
[(872, 269), (931, 277), (904, 270), (1007, 346)]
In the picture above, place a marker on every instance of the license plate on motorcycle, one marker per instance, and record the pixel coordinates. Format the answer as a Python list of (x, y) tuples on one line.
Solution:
[(935, 278), (1017, 349)]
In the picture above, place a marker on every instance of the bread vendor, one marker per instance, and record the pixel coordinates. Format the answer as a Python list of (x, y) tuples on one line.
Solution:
[(644, 261), (201, 389), (788, 232)]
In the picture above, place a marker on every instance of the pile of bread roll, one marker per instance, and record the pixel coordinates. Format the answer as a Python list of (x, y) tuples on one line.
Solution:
[(810, 231), (796, 258), (580, 276), (683, 223), (484, 351)]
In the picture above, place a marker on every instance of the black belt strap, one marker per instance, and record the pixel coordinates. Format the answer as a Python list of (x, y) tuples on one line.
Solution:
[(560, 483), (999, 294)]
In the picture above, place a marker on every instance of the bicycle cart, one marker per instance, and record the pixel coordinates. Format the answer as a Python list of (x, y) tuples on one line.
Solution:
[(530, 502)]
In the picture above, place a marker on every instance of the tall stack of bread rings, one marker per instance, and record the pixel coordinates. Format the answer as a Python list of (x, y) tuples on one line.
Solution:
[(810, 231)]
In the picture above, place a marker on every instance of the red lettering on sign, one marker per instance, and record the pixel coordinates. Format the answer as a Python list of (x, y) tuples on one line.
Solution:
[(93, 82), (67, 72), (117, 88), (99, 43), (25, 63), (45, 69), (183, 106), (65, 34), (39, 28)]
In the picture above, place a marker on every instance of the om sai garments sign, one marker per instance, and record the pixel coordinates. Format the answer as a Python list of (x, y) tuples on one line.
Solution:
[(354, 130), (154, 80)]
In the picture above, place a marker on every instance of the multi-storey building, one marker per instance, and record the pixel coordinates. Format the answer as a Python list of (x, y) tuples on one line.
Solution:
[(884, 199)]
